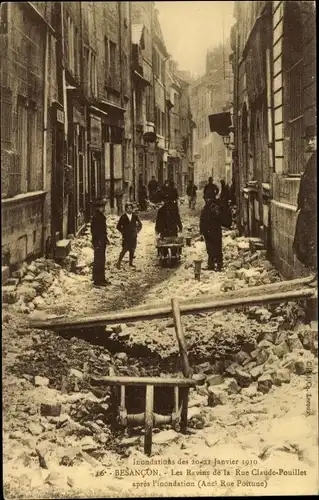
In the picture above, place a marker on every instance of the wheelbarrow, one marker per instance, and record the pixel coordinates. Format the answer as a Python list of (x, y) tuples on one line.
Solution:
[(169, 249), (139, 400)]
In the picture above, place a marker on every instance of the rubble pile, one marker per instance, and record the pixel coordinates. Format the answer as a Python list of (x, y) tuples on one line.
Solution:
[(260, 366)]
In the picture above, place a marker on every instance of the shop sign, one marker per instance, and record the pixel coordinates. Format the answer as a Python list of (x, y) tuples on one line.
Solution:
[(95, 132)]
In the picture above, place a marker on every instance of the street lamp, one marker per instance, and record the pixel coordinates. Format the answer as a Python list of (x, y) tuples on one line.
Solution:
[(226, 140)]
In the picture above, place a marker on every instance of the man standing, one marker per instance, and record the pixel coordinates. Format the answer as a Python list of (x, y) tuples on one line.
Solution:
[(191, 192), (99, 241), (210, 190), (129, 226), (224, 205), (168, 220), (142, 197), (210, 227), (305, 241), (152, 189)]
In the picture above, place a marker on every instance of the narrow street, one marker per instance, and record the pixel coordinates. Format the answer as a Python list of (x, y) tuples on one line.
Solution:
[(256, 408)]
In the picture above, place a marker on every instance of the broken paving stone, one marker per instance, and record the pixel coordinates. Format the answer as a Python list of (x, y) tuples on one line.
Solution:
[(249, 345), (193, 413), (39, 303), (118, 328), (281, 350), (256, 372), (215, 380), (205, 368), (35, 429), (231, 370), (28, 293), (250, 391), (131, 441), (264, 344), (9, 295), (76, 373), (50, 410), (165, 437), (294, 342), (264, 383), (41, 381), (242, 357), (124, 335), (216, 396), (307, 339), (243, 378), (122, 356), (260, 356), (281, 376)]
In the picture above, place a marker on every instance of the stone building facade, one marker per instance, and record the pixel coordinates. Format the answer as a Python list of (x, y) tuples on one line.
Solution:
[(211, 94), (84, 115), (274, 69), (28, 79)]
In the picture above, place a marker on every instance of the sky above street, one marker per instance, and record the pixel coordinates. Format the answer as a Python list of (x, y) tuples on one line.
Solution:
[(191, 27)]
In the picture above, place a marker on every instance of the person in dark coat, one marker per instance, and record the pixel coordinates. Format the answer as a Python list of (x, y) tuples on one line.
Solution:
[(142, 197), (164, 190), (305, 240), (211, 228), (168, 221), (224, 204), (191, 192), (129, 226), (172, 192), (152, 189), (100, 242), (210, 190)]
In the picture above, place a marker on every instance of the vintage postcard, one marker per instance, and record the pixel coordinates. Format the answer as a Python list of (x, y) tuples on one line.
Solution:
[(159, 249)]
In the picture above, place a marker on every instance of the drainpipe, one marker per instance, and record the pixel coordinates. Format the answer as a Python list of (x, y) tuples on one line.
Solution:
[(45, 129)]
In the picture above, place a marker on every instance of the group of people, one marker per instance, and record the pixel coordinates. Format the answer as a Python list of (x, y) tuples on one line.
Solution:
[(155, 193), (168, 224)]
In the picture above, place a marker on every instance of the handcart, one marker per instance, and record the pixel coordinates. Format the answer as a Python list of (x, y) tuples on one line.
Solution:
[(169, 249)]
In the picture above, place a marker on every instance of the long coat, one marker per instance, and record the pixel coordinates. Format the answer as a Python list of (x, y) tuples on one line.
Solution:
[(210, 226), (168, 221), (305, 241), (211, 191), (129, 228), (99, 230)]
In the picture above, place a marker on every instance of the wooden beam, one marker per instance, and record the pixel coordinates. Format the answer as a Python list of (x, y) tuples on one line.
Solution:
[(68, 323), (155, 381)]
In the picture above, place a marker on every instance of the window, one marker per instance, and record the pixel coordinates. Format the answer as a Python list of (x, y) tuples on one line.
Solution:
[(93, 75), (29, 176), (106, 59), (293, 57), (125, 75), (77, 49), (71, 45), (112, 62)]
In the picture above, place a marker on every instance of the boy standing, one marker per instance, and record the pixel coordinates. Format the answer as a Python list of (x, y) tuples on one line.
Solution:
[(129, 226)]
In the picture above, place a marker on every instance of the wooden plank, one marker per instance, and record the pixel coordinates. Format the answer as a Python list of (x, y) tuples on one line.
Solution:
[(67, 323), (155, 381), (181, 337)]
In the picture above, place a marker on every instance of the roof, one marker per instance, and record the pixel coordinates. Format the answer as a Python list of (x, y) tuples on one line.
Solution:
[(137, 34)]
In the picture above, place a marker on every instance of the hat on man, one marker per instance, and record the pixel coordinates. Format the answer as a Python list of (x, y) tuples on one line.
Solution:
[(100, 203), (310, 131)]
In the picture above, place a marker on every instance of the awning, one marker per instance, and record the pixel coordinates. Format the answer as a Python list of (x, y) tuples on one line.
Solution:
[(220, 123), (93, 109), (141, 78)]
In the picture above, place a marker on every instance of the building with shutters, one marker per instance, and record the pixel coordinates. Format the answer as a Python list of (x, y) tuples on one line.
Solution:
[(84, 115), (273, 59), (29, 99)]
